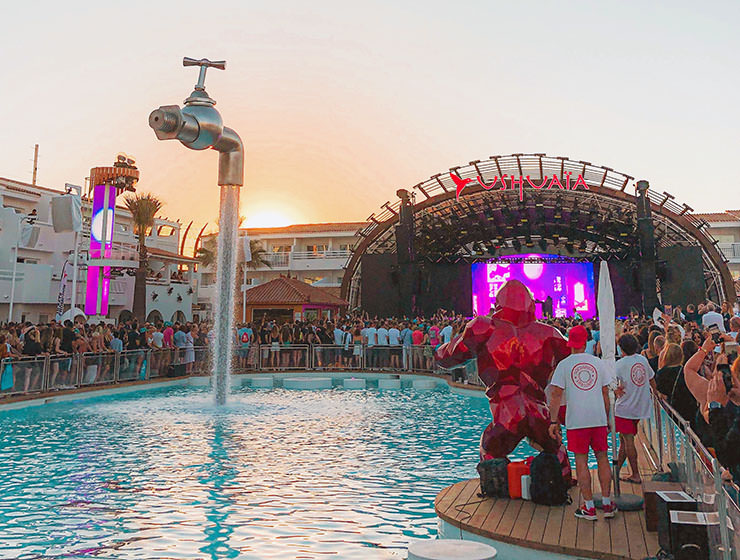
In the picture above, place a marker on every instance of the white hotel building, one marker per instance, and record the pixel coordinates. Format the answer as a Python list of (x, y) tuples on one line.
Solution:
[(41, 258), (313, 253)]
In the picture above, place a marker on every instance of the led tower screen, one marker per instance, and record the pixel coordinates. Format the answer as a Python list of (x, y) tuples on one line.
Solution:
[(101, 243), (570, 285)]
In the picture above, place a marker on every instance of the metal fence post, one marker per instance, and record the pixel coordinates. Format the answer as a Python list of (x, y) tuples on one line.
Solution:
[(76, 365), (148, 364), (45, 376), (722, 507), (116, 367), (659, 429)]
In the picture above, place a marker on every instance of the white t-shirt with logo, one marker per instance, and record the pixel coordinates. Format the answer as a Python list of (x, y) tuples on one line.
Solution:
[(635, 373), (582, 377), (446, 334)]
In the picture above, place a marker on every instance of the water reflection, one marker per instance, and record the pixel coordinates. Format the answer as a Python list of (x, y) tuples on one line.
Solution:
[(219, 475)]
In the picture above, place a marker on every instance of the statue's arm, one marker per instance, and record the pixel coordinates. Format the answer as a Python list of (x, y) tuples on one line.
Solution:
[(465, 346)]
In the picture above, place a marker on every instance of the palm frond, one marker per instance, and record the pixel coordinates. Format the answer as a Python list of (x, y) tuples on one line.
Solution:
[(144, 208)]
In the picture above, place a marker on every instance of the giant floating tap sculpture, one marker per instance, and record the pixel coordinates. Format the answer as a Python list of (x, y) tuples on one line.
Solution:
[(199, 126)]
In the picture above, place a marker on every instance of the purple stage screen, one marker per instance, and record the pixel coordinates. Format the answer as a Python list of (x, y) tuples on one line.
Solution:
[(570, 285)]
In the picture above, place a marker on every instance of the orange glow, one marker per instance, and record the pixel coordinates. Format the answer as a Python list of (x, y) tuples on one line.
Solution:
[(267, 218)]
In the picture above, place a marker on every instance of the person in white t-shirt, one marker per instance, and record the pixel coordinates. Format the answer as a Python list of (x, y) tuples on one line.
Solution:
[(382, 349), (394, 339), (371, 339), (446, 333), (584, 380), (711, 317), (635, 377)]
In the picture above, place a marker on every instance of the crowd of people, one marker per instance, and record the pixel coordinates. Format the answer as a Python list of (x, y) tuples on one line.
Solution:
[(26, 340), (687, 357)]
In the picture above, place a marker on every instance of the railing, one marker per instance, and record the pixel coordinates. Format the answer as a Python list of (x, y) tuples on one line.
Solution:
[(310, 255), (730, 250), (27, 376), (277, 259), (679, 450), (286, 258)]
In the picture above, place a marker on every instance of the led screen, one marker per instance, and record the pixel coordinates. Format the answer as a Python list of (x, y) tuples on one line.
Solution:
[(570, 285), (98, 278)]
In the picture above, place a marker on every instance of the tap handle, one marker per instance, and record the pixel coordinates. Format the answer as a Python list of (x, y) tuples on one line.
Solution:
[(204, 64)]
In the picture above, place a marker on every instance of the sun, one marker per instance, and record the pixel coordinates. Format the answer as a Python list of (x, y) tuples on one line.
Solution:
[(267, 218)]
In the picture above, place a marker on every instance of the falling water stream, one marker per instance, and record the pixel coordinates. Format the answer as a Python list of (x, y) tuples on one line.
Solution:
[(225, 282)]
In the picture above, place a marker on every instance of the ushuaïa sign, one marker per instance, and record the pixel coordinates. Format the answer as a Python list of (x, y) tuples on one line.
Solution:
[(518, 182)]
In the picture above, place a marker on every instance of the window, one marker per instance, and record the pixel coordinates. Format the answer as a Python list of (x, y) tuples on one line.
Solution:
[(43, 319), (345, 247), (312, 279), (281, 248), (320, 248)]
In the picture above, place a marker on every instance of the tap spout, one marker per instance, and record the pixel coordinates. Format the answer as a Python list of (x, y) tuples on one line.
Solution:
[(230, 158)]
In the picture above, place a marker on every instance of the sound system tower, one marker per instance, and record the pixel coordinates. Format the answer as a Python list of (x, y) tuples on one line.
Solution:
[(673, 536), (682, 275)]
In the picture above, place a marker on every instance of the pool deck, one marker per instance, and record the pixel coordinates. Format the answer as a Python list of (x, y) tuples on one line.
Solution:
[(551, 529)]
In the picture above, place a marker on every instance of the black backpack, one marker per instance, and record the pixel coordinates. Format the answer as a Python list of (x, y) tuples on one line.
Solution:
[(547, 485), (494, 479)]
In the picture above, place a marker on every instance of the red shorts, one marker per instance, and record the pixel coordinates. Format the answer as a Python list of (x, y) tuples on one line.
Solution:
[(625, 425), (561, 414), (580, 439)]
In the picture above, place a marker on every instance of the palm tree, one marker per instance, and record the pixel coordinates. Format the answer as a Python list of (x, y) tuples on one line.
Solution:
[(143, 208), (259, 256), (207, 256)]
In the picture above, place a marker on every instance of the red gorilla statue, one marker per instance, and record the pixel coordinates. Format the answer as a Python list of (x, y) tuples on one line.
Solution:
[(516, 357)]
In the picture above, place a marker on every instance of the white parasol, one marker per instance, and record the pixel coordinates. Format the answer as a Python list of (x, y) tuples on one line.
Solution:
[(607, 328)]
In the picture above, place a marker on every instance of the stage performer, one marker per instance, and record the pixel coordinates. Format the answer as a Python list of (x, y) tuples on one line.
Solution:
[(516, 356)]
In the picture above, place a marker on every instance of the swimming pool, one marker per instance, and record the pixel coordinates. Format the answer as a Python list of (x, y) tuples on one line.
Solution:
[(163, 473)]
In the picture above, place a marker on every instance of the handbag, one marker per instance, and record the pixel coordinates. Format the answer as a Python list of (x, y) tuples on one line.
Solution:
[(6, 381)]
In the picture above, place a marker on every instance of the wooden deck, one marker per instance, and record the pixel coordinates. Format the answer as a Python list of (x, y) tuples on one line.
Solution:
[(552, 529)]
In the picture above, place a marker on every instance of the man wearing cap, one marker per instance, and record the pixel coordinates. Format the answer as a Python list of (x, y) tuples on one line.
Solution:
[(584, 380)]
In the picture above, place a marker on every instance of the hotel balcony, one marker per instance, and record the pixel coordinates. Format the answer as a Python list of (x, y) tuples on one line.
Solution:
[(731, 251), (306, 260)]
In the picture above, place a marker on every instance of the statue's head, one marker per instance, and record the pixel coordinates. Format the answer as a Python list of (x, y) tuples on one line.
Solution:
[(515, 304)]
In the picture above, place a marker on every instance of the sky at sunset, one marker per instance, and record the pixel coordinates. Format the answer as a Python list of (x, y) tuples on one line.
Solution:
[(341, 103)]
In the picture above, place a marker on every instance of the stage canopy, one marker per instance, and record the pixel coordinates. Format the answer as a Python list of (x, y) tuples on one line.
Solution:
[(521, 203)]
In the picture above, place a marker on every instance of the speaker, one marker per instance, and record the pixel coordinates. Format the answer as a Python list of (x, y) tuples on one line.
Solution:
[(671, 501), (650, 489), (691, 534), (682, 281), (66, 213)]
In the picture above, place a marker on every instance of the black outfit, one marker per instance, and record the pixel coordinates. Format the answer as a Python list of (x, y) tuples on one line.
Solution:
[(670, 382), (68, 335), (32, 348), (133, 340), (653, 363), (724, 424)]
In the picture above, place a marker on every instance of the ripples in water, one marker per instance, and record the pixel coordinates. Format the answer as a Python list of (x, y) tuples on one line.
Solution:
[(272, 475)]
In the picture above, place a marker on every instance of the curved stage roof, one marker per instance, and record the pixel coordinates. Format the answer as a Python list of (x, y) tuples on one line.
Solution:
[(590, 224)]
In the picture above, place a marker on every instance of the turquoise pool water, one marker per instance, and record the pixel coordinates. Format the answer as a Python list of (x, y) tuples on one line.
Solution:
[(275, 474)]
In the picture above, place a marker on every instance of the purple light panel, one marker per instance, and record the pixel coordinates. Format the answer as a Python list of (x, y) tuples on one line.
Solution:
[(97, 251), (571, 285)]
